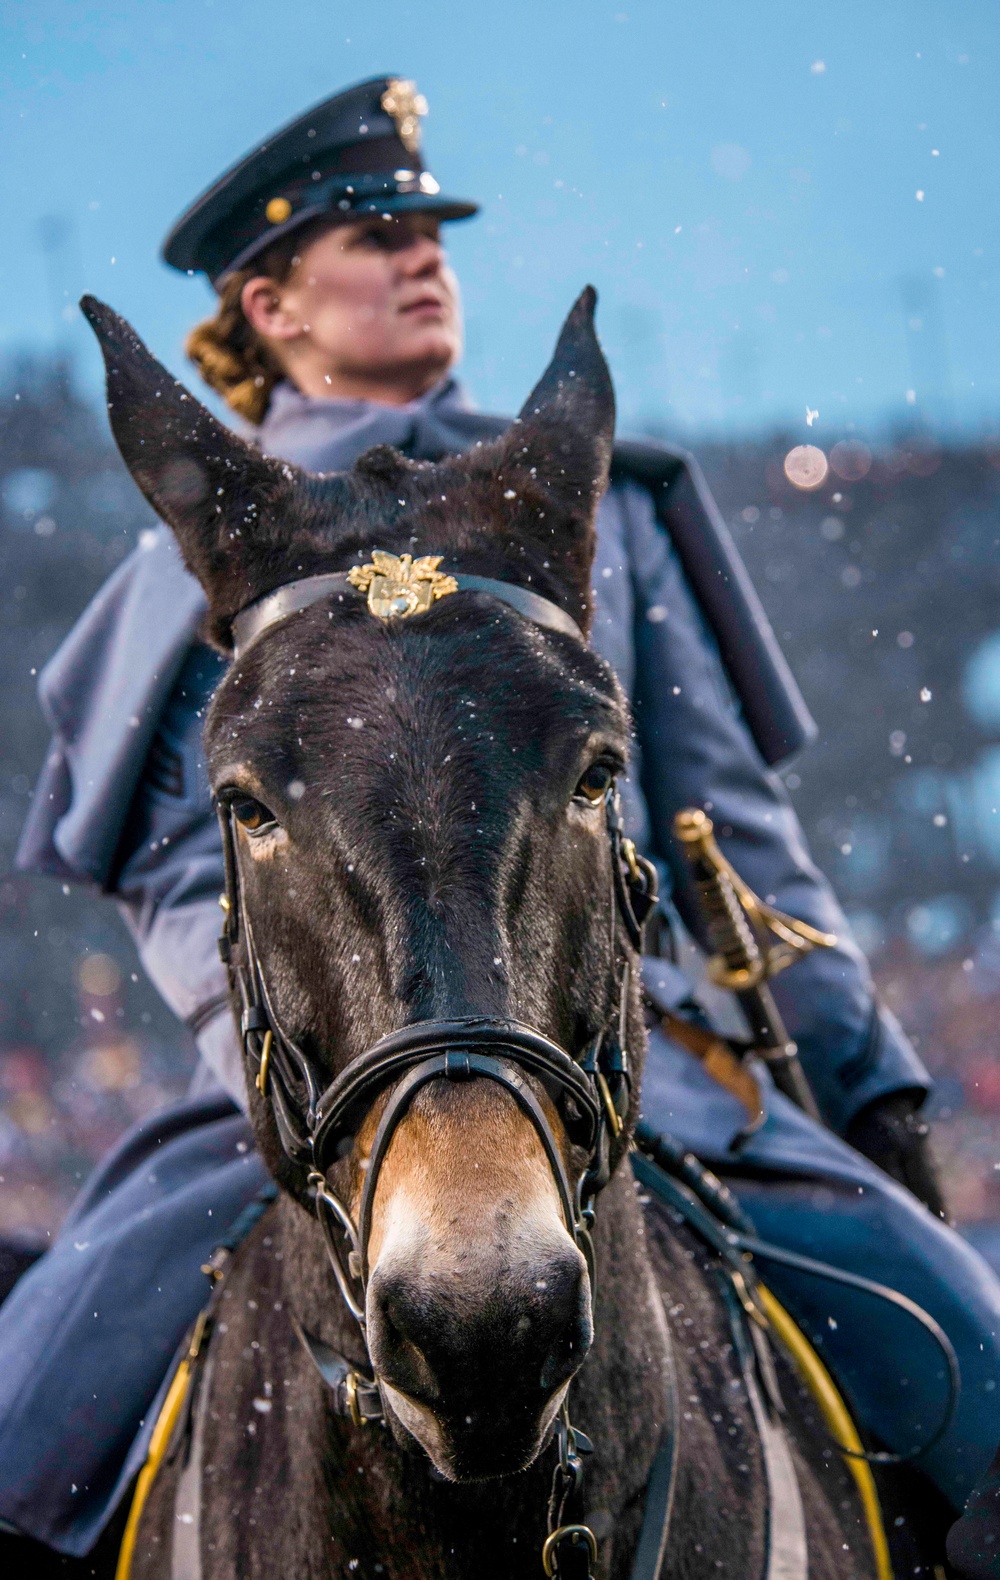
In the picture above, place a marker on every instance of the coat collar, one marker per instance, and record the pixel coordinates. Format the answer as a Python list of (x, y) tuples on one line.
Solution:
[(329, 435)]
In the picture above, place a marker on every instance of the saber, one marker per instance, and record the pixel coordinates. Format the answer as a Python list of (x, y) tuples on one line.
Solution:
[(752, 942)]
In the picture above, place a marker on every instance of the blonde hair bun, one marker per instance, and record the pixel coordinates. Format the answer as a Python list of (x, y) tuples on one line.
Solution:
[(230, 355), (228, 352)]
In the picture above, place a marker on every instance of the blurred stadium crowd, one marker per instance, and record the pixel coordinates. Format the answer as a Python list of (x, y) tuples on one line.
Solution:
[(879, 564)]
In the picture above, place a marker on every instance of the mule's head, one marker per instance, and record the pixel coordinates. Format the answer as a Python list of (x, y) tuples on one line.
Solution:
[(420, 828)]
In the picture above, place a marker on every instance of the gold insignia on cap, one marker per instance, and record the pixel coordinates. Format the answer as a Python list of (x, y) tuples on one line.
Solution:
[(402, 101), (278, 210), (398, 586)]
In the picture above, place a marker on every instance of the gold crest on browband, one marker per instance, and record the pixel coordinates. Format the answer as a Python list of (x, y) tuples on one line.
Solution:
[(399, 585), (405, 105)]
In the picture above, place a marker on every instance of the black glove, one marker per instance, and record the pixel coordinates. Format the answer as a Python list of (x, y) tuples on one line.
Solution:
[(892, 1134)]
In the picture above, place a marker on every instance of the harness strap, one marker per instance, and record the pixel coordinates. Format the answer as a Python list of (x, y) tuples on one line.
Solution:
[(703, 1187), (787, 1550), (660, 1488), (185, 1545), (733, 1244), (239, 1229), (893, 1297), (355, 1396), (787, 1547)]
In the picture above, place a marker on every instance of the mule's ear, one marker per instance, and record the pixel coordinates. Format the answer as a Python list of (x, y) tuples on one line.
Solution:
[(566, 426), (229, 507), (555, 460)]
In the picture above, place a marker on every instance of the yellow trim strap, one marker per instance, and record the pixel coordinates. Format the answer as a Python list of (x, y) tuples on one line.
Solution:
[(163, 1431), (838, 1420)]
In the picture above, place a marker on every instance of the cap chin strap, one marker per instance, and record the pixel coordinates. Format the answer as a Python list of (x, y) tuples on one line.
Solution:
[(293, 597)]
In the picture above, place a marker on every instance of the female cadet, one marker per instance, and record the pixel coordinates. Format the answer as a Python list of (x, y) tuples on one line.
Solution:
[(337, 328)]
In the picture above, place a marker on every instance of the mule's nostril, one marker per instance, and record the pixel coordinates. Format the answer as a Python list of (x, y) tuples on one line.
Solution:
[(397, 1326), (570, 1330)]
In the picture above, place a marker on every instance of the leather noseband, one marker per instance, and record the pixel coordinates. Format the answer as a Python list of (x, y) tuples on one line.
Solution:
[(408, 1060)]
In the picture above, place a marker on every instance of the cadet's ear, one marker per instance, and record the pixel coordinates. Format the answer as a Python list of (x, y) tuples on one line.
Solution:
[(233, 511)]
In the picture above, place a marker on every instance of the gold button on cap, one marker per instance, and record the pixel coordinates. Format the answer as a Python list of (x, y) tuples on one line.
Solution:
[(278, 210)]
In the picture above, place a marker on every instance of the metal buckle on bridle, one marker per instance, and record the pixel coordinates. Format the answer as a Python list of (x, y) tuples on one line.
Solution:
[(578, 1538), (635, 879)]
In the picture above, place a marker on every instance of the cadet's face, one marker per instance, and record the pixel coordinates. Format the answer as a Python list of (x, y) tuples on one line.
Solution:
[(368, 306)]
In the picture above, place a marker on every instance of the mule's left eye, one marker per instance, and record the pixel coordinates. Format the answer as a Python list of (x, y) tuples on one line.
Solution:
[(252, 815), (596, 782)]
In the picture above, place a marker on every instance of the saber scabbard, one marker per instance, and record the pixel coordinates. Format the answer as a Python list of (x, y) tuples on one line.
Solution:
[(751, 943)]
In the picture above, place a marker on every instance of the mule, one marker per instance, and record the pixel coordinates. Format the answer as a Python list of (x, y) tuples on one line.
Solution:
[(460, 1289)]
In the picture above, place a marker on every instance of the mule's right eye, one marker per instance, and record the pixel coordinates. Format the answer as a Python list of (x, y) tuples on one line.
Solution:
[(596, 782), (252, 815)]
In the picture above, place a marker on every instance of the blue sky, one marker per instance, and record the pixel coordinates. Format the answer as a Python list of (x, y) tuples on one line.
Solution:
[(740, 182)]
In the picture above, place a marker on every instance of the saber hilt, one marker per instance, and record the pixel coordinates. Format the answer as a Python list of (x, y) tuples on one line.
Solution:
[(751, 942)]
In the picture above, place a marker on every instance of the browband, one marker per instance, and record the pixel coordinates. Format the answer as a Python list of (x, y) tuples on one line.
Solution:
[(258, 617)]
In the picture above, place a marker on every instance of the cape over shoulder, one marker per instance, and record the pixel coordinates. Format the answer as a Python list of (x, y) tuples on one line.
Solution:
[(103, 692), (773, 706)]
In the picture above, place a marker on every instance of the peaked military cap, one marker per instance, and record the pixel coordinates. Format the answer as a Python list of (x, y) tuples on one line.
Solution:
[(357, 153)]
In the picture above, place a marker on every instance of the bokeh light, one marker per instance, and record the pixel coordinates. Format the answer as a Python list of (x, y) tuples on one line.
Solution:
[(851, 460), (806, 466)]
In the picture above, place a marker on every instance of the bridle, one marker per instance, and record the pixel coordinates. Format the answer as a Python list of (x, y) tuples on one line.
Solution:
[(317, 1124)]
